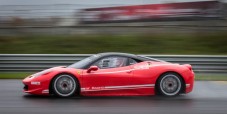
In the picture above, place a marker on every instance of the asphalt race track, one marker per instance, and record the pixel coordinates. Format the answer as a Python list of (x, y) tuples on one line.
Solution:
[(207, 98)]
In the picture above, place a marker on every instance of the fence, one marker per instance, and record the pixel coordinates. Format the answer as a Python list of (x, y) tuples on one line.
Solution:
[(37, 62)]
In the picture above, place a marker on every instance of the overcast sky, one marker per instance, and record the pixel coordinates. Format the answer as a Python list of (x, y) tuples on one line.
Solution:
[(98, 2)]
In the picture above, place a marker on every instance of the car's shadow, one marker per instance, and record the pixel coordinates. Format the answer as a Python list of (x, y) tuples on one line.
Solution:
[(116, 101), (155, 97)]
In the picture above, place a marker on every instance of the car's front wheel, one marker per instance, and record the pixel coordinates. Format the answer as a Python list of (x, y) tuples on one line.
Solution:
[(64, 85), (169, 84)]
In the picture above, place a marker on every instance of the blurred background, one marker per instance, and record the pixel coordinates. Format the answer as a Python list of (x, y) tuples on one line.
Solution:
[(180, 31), (133, 26), (39, 34)]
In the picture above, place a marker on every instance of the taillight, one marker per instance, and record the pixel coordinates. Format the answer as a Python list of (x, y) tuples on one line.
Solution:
[(189, 66)]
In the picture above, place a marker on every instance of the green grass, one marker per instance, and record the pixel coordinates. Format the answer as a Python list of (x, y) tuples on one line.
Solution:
[(15, 75), (196, 43), (211, 77), (21, 75)]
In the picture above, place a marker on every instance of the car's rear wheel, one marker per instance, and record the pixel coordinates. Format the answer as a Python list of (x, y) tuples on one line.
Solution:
[(169, 84), (64, 85)]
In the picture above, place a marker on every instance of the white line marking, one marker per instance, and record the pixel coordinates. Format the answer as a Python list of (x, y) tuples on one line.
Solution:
[(113, 72), (45, 91), (119, 87), (187, 85), (129, 86), (115, 89), (141, 67)]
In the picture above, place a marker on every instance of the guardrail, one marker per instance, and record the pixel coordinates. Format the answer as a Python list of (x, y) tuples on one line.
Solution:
[(37, 62)]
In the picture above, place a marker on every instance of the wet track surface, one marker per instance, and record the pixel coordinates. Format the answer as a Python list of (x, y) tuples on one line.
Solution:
[(207, 98)]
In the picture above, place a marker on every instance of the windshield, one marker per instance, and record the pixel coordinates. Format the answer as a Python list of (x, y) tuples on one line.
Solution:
[(82, 63)]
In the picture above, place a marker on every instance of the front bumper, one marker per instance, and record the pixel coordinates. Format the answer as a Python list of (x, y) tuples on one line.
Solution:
[(35, 86)]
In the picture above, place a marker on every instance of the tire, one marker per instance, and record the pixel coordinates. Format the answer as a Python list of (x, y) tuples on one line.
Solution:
[(64, 85), (169, 84)]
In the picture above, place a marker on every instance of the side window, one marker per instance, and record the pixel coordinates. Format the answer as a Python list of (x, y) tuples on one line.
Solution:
[(111, 62), (132, 61)]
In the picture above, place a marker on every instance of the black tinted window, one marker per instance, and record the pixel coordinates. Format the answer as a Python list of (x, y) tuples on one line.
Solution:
[(82, 63), (132, 61), (111, 62)]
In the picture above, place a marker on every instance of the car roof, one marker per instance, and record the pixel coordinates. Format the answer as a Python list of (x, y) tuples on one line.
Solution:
[(142, 58), (117, 54)]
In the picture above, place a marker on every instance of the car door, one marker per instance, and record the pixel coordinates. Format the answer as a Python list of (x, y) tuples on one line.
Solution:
[(111, 78), (143, 77)]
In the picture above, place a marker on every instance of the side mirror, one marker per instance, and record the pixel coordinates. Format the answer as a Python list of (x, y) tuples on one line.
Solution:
[(92, 68)]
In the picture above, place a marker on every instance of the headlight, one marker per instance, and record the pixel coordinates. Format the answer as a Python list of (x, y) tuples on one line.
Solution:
[(41, 73)]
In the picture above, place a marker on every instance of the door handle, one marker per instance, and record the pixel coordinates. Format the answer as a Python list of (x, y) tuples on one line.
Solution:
[(129, 71)]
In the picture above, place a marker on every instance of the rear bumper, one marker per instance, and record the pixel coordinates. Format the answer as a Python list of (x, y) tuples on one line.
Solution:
[(189, 82)]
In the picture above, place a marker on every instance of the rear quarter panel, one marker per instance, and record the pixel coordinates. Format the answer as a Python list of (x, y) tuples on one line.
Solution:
[(151, 71)]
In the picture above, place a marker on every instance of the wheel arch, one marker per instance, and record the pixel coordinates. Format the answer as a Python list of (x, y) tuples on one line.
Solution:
[(74, 76), (183, 81)]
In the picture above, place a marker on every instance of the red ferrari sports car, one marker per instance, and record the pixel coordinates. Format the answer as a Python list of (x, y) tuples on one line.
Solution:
[(113, 74)]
